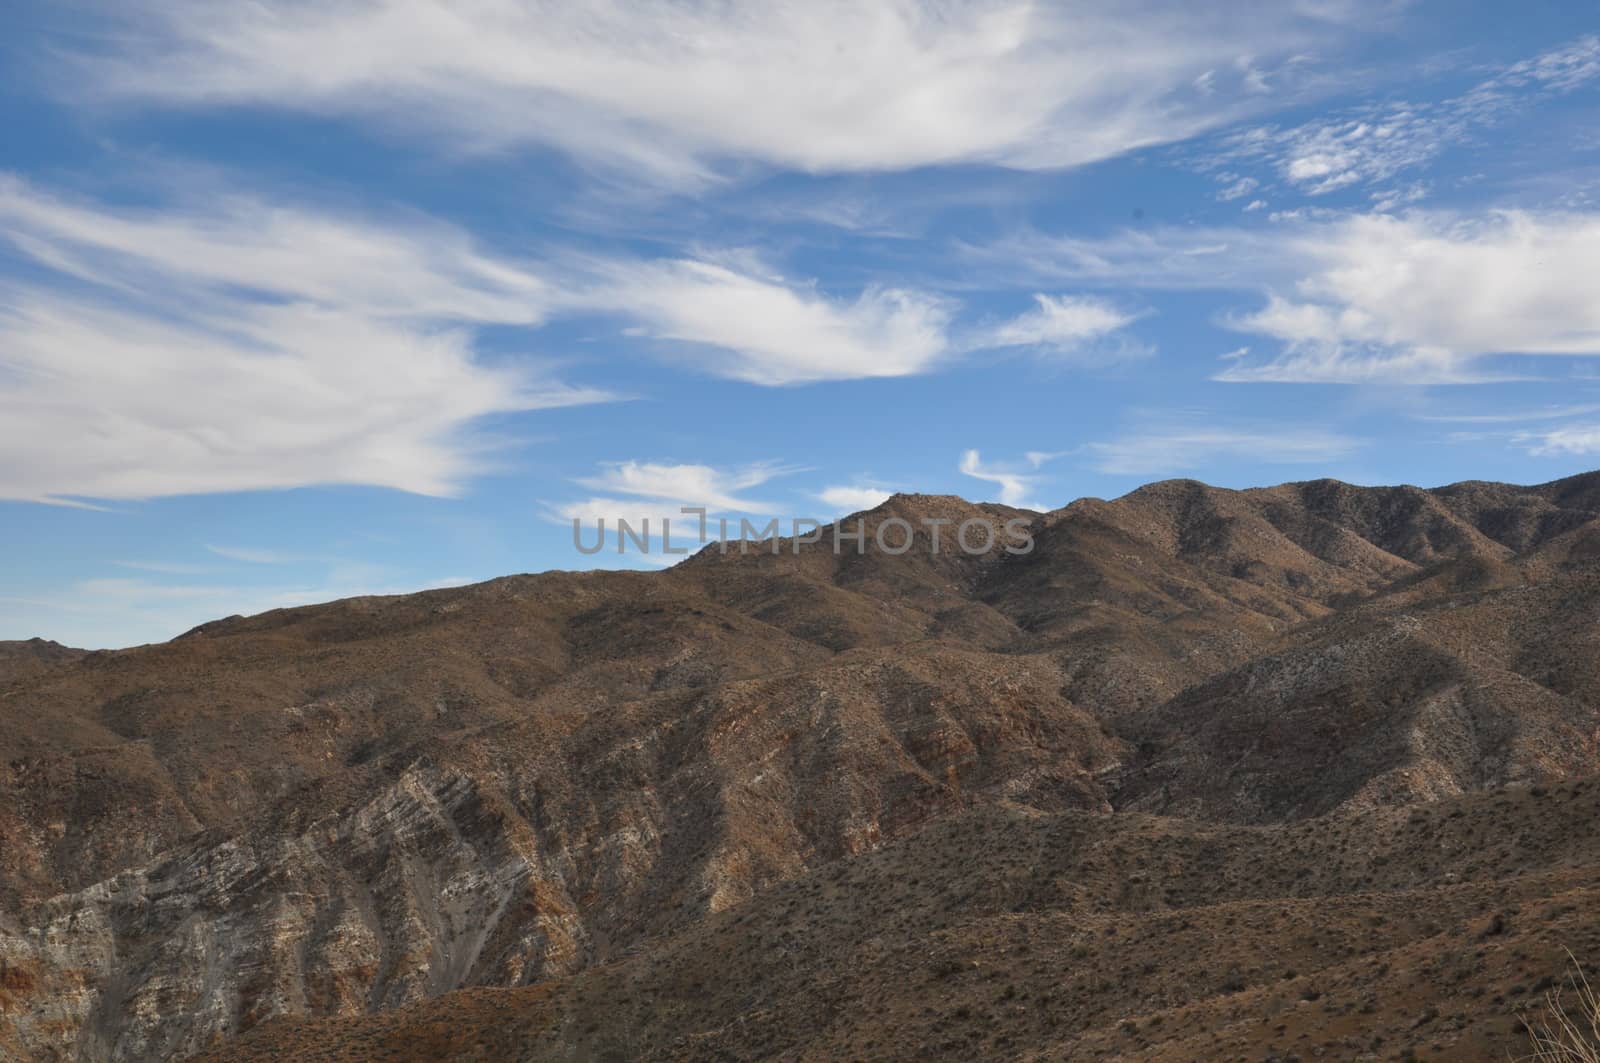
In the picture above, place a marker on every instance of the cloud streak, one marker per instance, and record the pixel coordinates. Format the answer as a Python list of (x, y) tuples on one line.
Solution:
[(680, 91), (1058, 324), (1378, 142), (687, 484), (1167, 449), (651, 496), (240, 347)]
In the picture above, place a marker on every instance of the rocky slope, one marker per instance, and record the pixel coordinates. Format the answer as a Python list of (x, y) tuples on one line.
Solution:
[(1003, 933), (350, 808)]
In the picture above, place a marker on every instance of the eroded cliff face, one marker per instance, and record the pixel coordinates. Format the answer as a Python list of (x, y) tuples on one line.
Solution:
[(346, 808), (423, 889)]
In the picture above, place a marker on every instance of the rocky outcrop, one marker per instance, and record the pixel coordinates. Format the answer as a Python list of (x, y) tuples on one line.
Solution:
[(421, 890)]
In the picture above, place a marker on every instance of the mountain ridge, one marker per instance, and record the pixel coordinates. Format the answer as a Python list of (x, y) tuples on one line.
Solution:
[(368, 803)]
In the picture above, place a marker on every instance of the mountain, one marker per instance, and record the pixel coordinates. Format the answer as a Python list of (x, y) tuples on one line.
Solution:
[(1187, 715)]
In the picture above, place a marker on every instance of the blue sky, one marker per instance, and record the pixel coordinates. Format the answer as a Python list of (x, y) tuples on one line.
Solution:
[(307, 300)]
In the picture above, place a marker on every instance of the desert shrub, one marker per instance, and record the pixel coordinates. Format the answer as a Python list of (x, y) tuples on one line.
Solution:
[(1567, 1028)]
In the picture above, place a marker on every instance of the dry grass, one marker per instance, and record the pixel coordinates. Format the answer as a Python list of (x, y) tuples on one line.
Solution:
[(1569, 1030)]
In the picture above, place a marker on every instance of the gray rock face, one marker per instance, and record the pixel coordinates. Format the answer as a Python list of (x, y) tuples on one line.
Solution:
[(420, 891)]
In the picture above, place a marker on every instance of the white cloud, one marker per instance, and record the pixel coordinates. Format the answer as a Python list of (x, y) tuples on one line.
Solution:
[(411, 269), (231, 344), (1563, 69), (755, 326), (637, 512), (1323, 157), (1568, 440), (137, 408), (695, 485), (257, 556), (1427, 297), (651, 495), (235, 346), (674, 90), (1389, 200), (843, 499), (1377, 142), (1060, 323), (1422, 298), (1164, 258), (1015, 487), (1370, 144), (1236, 187), (1170, 449)]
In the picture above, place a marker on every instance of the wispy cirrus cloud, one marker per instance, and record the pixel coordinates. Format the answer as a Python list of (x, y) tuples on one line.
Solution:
[(1374, 143), (689, 484), (258, 556), (1365, 147), (650, 496), (1235, 187), (167, 568), (1560, 69), (1058, 324), (677, 92), (1166, 448), (232, 346), (1217, 258), (402, 267)]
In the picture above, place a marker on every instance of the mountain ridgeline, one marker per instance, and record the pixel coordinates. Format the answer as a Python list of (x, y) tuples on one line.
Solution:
[(1204, 774)]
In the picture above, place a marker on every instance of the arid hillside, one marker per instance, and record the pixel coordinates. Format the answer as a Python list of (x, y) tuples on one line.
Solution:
[(1206, 774), (1001, 933)]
